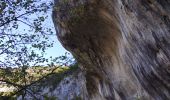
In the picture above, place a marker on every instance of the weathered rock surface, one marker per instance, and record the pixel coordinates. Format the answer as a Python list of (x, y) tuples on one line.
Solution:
[(72, 87), (123, 46)]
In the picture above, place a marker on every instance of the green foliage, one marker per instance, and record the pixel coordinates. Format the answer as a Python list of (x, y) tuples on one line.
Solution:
[(77, 98), (46, 97), (76, 13), (65, 1), (7, 96), (23, 42), (22, 32), (59, 74), (36, 78)]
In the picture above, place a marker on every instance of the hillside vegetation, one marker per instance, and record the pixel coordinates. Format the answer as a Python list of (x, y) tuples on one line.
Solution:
[(34, 79)]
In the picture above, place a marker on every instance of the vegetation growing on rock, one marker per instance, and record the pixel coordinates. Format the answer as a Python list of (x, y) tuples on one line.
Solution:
[(38, 77)]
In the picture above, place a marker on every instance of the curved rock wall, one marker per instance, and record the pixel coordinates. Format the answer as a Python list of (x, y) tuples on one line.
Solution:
[(123, 46)]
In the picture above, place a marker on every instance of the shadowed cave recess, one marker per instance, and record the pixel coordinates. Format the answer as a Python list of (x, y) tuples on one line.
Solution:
[(122, 46)]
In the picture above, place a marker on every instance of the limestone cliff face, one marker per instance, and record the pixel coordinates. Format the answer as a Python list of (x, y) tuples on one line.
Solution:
[(72, 87), (123, 46)]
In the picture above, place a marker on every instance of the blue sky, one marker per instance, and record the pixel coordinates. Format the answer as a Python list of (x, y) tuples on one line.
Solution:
[(57, 49)]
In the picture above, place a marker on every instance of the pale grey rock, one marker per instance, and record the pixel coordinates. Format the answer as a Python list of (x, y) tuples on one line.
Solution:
[(123, 46), (70, 88)]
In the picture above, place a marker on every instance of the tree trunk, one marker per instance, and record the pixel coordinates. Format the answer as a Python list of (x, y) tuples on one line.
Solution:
[(123, 46)]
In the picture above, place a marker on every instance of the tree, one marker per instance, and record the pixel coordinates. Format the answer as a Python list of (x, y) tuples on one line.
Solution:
[(23, 41), (22, 31), (123, 45)]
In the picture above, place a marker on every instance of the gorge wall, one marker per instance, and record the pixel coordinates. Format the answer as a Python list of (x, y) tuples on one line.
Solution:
[(123, 46), (71, 87)]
